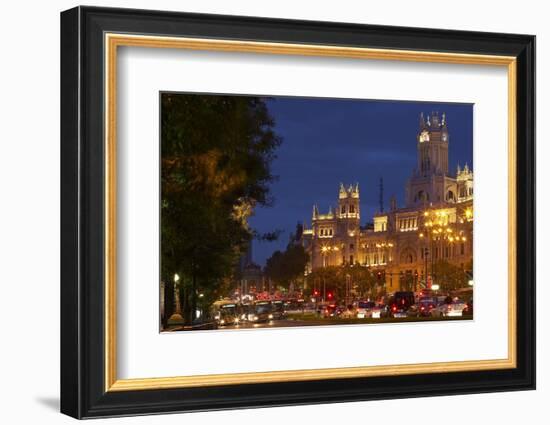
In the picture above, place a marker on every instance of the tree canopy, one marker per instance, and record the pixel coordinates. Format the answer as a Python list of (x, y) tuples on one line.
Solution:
[(216, 153)]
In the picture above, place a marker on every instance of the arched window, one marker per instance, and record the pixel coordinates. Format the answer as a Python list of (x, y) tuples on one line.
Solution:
[(450, 196), (422, 196)]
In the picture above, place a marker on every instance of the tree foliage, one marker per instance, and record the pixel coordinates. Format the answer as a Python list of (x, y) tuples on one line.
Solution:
[(449, 276), (363, 281), (216, 153), (287, 266)]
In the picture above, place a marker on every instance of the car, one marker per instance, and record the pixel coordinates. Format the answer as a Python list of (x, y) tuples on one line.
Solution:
[(330, 310), (364, 309), (400, 303), (469, 309), (426, 305), (348, 312), (379, 311), (449, 309)]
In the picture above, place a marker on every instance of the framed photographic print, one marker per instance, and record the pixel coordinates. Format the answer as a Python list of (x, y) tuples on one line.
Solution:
[(261, 212)]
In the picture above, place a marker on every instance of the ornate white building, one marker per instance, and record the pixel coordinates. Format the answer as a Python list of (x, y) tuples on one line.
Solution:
[(403, 243)]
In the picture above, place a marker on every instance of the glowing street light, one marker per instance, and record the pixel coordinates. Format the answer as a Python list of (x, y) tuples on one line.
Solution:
[(176, 318)]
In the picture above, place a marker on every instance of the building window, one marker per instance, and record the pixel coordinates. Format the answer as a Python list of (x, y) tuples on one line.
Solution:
[(343, 209), (351, 246), (352, 209), (461, 249), (351, 259), (330, 232)]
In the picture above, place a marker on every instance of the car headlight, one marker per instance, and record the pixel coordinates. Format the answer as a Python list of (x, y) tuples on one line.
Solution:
[(222, 321), (270, 316)]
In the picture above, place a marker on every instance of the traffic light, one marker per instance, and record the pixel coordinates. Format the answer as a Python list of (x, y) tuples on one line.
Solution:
[(329, 295), (316, 292)]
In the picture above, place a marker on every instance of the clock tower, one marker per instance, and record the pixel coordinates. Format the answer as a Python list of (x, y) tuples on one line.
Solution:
[(433, 145), (430, 180)]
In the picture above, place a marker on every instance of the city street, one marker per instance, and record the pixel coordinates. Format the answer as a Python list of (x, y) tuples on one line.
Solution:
[(313, 320)]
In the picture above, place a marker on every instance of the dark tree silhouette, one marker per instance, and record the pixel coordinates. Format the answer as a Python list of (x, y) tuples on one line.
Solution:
[(216, 153)]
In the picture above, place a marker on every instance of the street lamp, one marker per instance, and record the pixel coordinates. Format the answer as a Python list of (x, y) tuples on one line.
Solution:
[(176, 317)]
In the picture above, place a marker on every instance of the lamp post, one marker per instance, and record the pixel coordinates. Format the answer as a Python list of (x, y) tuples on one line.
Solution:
[(176, 317)]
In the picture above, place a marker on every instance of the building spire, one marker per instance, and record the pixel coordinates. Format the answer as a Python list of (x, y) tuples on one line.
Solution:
[(422, 121), (393, 203), (381, 195)]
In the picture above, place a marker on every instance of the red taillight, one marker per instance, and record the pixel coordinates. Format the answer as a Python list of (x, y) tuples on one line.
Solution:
[(394, 308), (422, 308)]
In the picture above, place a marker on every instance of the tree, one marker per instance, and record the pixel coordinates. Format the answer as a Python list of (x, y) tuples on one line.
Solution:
[(333, 279), (216, 153), (449, 276), (288, 266)]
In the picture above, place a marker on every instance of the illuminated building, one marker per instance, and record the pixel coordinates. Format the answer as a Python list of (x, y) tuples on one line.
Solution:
[(403, 243)]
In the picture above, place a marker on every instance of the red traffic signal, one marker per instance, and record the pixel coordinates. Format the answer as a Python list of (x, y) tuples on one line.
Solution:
[(329, 295)]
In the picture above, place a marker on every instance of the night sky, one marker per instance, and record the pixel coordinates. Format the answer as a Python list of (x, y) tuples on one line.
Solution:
[(328, 141)]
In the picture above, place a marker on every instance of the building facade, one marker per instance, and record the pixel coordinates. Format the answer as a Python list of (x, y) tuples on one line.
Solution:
[(404, 244)]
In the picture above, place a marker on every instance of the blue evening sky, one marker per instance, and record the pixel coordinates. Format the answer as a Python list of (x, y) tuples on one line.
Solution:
[(328, 141)]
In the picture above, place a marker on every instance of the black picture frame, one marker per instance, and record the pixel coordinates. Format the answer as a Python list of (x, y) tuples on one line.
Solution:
[(83, 392)]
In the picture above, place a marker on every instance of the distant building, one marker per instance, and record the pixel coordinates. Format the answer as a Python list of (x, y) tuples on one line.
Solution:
[(403, 243), (251, 275)]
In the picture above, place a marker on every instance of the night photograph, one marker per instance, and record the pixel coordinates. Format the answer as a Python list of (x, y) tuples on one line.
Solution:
[(293, 211)]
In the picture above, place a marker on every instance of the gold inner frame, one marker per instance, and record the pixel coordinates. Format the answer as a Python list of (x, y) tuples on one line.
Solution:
[(113, 41)]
